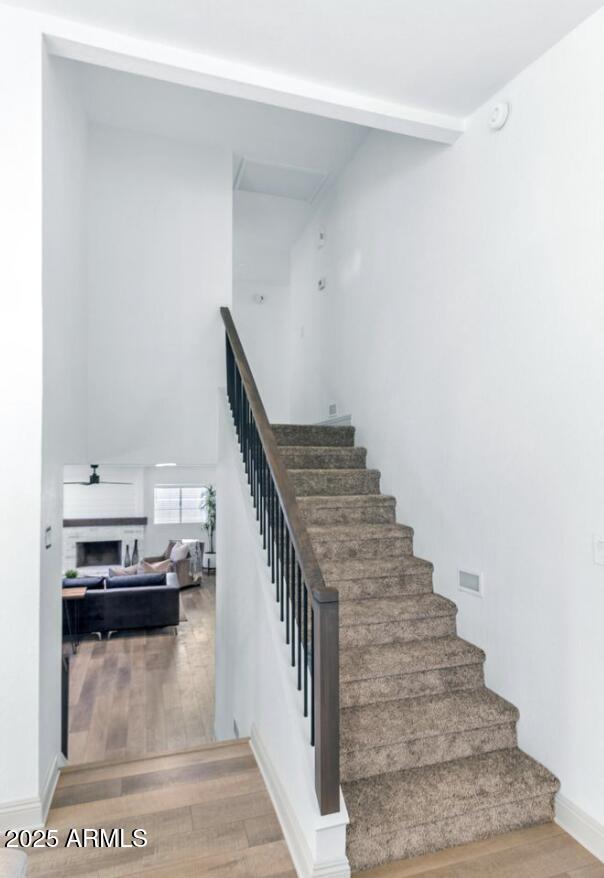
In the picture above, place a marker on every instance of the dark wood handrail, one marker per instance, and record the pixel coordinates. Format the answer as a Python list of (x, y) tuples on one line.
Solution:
[(324, 658), (285, 489)]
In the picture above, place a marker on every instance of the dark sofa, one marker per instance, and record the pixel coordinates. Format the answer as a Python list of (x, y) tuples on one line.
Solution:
[(125, 602)]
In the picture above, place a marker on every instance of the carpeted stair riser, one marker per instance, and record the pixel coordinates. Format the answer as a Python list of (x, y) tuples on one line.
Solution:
[(394, 659), (294, 434), (334, 571), (355, 693), (362, 509), (356, 764), (365, 852), (332, 481), (385, 620), (374, 549), (382, 586), (311, 457), (393, 632)]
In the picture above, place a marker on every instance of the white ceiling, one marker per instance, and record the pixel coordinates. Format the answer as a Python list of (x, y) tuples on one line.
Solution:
[(268, 139), (446, 56), (258, 131)]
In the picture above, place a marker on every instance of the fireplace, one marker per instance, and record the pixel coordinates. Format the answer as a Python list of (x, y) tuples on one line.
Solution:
[(98, 553)]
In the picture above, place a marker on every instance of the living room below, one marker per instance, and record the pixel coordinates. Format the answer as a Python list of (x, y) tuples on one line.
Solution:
[(138, 609)]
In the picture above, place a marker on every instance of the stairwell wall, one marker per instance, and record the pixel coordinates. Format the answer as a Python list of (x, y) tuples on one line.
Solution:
[(159, 268), (256, 692), (462, 326)]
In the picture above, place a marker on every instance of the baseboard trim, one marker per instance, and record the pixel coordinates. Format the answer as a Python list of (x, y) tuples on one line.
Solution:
[(48, 790), (297, 844), (579, 824), (31, 813)]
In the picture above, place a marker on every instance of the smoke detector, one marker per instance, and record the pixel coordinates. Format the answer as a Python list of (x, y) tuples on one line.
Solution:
[(499, 115)]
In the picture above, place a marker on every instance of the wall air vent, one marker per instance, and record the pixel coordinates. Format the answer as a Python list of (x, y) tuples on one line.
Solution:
[(470, 582), (283, 180)]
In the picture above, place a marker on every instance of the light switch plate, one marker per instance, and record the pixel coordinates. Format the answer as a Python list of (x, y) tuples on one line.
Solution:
[(598, 549)]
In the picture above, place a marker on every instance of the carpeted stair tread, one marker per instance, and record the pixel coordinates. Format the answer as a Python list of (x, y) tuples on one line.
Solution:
[(374, 610), (335, 481), (393, 659), (374, 569), (354, 532), (348, 500), (406, 799), (390, 722), (364, 541), (311, 434), (323, 457), (322, 510)]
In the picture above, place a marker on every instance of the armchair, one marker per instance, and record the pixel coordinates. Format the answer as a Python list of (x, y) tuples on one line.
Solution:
[(182, 568)]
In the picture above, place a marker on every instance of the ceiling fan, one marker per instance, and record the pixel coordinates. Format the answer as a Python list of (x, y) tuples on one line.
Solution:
[(95, 479)]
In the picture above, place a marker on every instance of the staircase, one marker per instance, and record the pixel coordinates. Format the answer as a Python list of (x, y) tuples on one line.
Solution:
[(429, 755)]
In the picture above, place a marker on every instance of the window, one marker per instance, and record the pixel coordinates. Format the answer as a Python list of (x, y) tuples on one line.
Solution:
[(179, 504)]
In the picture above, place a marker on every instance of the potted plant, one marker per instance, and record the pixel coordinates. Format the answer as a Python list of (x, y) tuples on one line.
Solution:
[(71, 574), (208, 505)]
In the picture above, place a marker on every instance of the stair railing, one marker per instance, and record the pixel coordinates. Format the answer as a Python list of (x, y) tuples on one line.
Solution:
[(308, 609)]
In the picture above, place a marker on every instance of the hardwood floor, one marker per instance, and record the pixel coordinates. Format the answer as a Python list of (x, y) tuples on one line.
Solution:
[(540, 852), (206, 812), (146, 692)]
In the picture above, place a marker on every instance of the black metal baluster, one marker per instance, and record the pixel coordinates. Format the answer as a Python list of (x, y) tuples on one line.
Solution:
[(261, 493), (287, 583), (241, 404), (312, 677), (299, 625), (293, 605), (305, 635), (281, 557), (266, 500), (273, 539), (256, 481)]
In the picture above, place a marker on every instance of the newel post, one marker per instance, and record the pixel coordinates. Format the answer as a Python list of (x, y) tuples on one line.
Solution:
[(327, 699)]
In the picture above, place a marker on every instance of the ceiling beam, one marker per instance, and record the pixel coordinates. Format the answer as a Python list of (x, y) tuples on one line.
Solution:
[(77, 42)]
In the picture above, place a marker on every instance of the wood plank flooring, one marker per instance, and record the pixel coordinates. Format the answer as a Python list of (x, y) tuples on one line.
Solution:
[(149, 692), (539, 852), (206, 812)]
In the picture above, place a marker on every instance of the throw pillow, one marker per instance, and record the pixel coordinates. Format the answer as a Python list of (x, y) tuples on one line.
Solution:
[(168, 549), (179, 552), (123, 571)]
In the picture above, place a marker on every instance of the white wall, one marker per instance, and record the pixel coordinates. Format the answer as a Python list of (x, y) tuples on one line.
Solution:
[(104, 500), (462, 327), (21, 394), (264, 229), (255, 684), (64, 407), (265, 334), (159, 268)]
